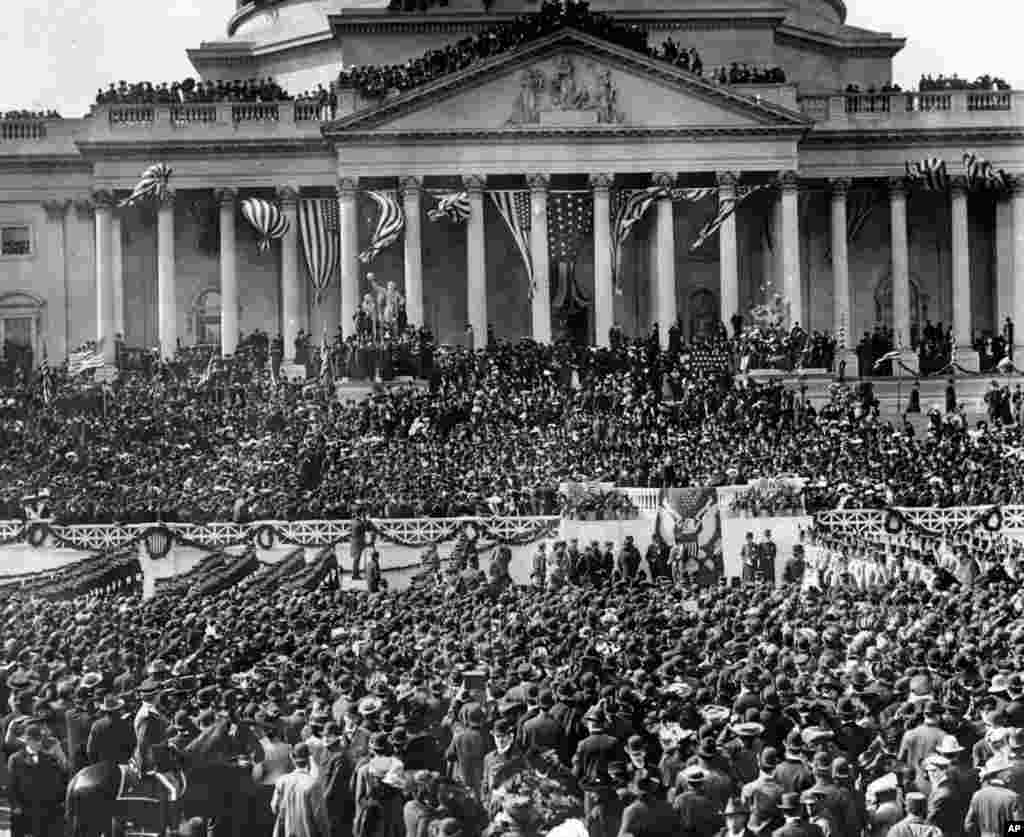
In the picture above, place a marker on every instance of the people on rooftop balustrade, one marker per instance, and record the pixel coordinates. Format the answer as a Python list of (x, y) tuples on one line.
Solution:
[(192, 90)]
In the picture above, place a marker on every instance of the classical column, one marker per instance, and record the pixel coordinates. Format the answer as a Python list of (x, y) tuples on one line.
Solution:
[(789, 245), (728, 258), (117, 269), (900, 271), (1004, 259), (1017, 200), (291, 291), (604, 301), (540, 302), (412, 198), (104, 203), (842, 327), (962, 322), (348, 221), (166, 291), (227, 200), (476, 261), (56, 214), (665, 274)]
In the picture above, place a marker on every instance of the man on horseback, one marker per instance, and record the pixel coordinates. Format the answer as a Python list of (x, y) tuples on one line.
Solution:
[(151, 728)]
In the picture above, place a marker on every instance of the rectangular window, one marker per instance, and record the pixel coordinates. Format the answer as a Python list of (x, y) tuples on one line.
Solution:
[(15, 241)]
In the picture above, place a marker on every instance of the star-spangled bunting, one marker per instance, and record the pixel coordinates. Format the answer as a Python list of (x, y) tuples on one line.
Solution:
[(570, 222), (514, 207)]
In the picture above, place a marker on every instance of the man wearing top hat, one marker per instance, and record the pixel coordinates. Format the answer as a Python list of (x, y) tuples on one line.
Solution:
[(110, 738), (761, 797), (794, 822), (698, 813), (591, 760)]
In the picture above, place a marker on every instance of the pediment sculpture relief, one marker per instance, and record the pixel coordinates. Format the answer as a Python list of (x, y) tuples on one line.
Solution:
[(566, 89)]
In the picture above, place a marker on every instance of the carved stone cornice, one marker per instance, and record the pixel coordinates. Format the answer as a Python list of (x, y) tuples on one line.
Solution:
[(288, 195), (727, 180), (789, 181), (664, 179), (410, 185), (226, 197), (958, 185), (347, 186), (538, 182), (840, 187), (897, 187), (474, 182), (56, 209), (602, 181), (102, 199)]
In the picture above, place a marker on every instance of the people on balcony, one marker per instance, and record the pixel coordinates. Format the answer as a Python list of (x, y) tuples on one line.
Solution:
[(191, 90), (740, 73), (930, 84), (31, 114)]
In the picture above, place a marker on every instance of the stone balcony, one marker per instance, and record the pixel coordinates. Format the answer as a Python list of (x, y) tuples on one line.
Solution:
[(908, 111)]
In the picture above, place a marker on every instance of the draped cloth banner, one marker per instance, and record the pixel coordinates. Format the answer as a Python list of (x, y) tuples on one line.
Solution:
[(726, 207), (153, 184), (266, 219), (514, 207), (390, 223), (451, 205), (981, 175), (928, 174), (570, 223), (318, 229)]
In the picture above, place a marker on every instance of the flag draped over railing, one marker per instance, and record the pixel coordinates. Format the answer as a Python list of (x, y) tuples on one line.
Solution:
[(83, 360), (390, 223), (318, 229), (152, 184), (452, 205), (514, 207), (726, 207), (266, 219), (929, 174), (982, 175)]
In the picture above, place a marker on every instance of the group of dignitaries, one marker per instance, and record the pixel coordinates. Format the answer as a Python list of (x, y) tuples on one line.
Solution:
[(618, 710)]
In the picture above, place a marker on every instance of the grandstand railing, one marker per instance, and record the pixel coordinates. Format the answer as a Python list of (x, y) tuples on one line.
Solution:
[(859, 521), (645, 499)]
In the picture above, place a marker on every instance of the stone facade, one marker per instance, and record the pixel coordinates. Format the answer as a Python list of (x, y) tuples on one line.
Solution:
[(94, 269)]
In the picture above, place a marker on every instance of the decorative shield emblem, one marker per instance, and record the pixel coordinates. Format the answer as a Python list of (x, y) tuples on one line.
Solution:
[(158, 541)]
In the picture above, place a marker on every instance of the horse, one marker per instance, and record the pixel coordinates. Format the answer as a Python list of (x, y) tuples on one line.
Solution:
[(218, 787)]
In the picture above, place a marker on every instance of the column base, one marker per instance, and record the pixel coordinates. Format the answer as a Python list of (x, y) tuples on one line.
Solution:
[(968, 360), (906, 366), (852, 368)]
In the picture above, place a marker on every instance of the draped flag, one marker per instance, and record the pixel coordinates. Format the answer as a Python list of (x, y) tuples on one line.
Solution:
[(726, 207), (861, 205), (454, 206), (570, 221), (929, 174), (266, 219), (982, 175), (893, 355), (326, 378), (152, 184), (83, 360), (514, 207), (628, 207), (318, 229), (44, 371), (390, 224)]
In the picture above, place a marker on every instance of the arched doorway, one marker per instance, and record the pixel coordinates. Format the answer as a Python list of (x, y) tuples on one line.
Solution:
[(703, 308), (206, 318), (20, 332), (918, 307)]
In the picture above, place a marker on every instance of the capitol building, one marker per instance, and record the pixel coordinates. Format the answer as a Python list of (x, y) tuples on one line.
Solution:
[(538, 145)]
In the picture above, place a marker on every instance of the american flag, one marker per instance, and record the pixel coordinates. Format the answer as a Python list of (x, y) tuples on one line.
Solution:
[(981, 174), (570, 221), (929, 174), (390, 224), (514, 207), (726, 208), (862, 204), (627, 208), (318, 229), (152, 184), (454, 206), (83, 360), (326, 378), (44, 372)]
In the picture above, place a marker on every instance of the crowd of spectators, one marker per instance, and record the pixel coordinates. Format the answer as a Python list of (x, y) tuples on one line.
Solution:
[(930, 84), (871, 89), (31, 114), (191, 90), (740, 73)]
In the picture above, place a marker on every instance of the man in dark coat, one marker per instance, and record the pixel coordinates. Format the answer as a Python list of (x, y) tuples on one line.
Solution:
[(794, 824), (111, 738), (993, 806), (649, 815), (542, 731), (947, 807), (36, 792), (698, 815)]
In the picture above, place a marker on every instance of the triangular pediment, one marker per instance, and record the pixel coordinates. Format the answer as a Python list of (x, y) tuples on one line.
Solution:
[(569, 81)]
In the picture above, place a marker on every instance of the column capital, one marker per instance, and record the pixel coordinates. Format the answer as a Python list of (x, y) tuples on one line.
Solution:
[(287, 195), (347, 186), (897, 187), (225, 196), (102, 199), (789, 180), (1015, 185), (727, 179), (56, 209), (840, 186), (538, 182), (474, 182), (664, 179), (958, 185), (410, 184), (166, 199), (601, 181)]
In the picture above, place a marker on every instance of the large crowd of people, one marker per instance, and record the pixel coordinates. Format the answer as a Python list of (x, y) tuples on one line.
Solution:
[(31, 114), (191, 90), (931, 84)]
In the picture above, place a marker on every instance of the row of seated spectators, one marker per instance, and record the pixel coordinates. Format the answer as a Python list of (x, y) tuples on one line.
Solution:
[(511, 422), (872, 89), (31, 114), (192, 90), (929, 84), (738, 73)]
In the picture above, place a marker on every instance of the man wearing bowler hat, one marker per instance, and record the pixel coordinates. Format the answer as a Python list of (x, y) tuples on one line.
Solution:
[(737, 817), (794, 823)]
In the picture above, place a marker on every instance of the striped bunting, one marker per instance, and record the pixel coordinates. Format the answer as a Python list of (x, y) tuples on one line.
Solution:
[(83, 360), (318, 229), (726, 207), (453, 205), (390, 224), (152, 184), (514, 207), (929, 174), (982, 175), (266, 219)]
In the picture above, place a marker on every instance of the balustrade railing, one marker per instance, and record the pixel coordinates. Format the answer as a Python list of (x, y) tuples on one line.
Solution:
[(645, 499), (815, 107), (193, 114), (308, 112), (990, 100), (928, 102), (255, 112), (131, 114), (961, 104), (16, 130)]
